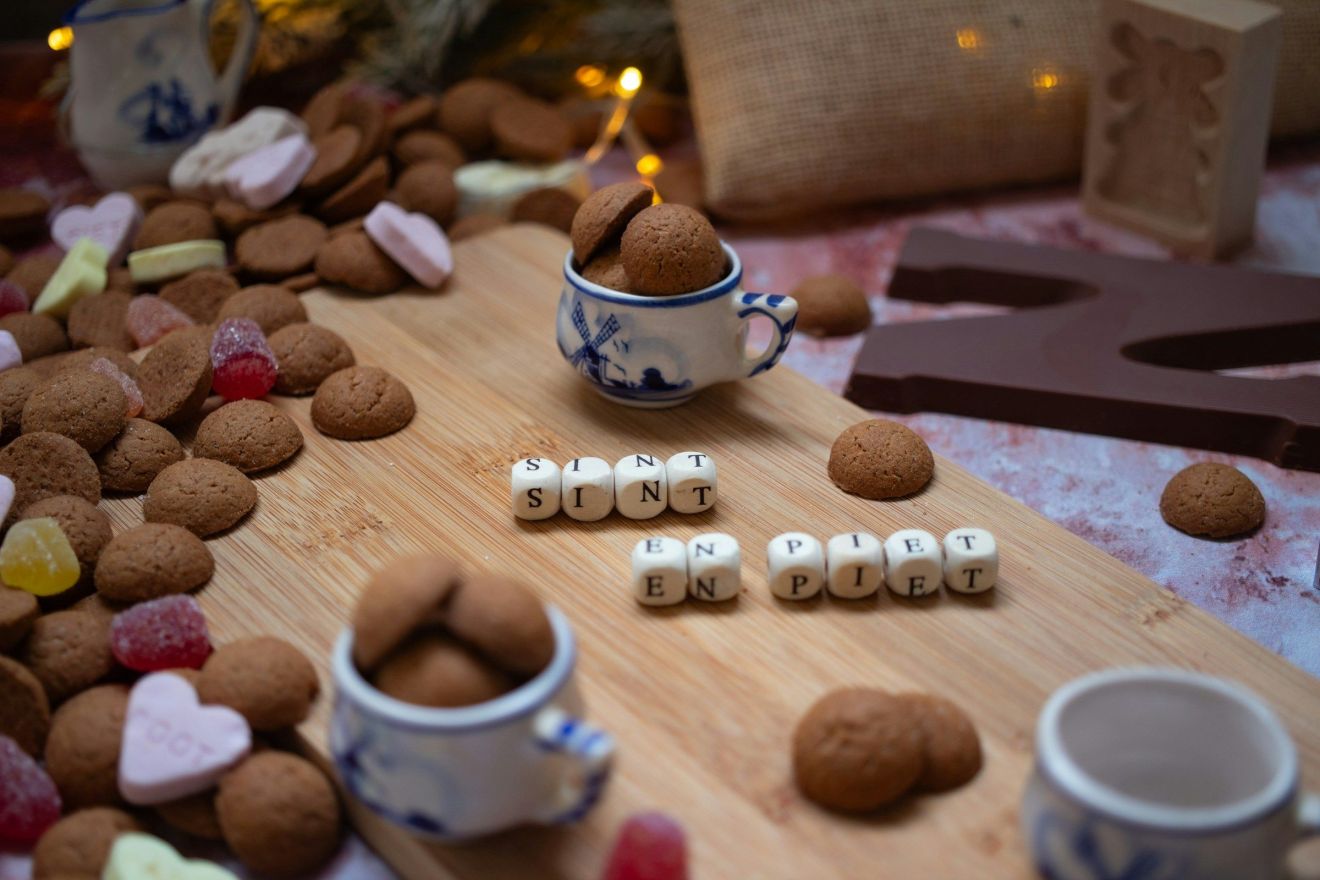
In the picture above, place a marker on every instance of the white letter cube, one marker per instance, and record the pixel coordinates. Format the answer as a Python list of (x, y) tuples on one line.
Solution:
[(640, 488), (796, 564), (660, 571), (714, 567), (588, 493), (535, 488), (856, 565), (971, 560), (692, 483), (914, 564)]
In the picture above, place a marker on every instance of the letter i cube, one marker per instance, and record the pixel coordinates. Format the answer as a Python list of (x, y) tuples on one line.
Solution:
[(588, 489), (714, 567), (660, 571), (797, 566), (913, 563), (535, 488), (640, 488), (856, 565), (971, 560), (692, 482)]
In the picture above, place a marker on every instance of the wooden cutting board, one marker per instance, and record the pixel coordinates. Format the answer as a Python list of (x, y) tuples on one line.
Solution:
[(701, 697)]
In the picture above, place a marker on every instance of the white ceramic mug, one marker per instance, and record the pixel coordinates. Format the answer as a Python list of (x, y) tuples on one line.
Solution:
[(659, 351), (448, 774), (1162, 774)]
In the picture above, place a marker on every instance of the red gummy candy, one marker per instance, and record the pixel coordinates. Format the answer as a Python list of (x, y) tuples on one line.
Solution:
[(166, 633), (131, 390), (242, 364), (150, 318), (650, 846), (29, 801), (13, 298)]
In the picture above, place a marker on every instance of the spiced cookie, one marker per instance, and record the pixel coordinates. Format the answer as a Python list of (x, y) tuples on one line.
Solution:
[(413, 113), (235, 218), (336, 153), (1212, 500), (361, 403), (175, 222), (503, 620), (153, 560), (82, 751), (22, 212), (367, 115), (251, 435), (281, 247), (68, 652), (397, 599), (150, 196), (301, 283), (37, 335), (831, 305), (322, 112), (16, 385), (432, 669), (83, 358), (33, 273), (120, 279), (86, 407), (306, 355), (175, 378), (606, 269), (548, 205), (353, 260), (279, 814), (6, 261), (132, 460), (359, 195), (271, 306), (880, 459), (24, 707), (531, 131), (200, 294), (195, 814), (78, 846), (671, 249), (85, 525), (423, 146), (466, 108), (18, 608), (428, 187), (266, 680), (202, 495), (604, 215), (473, 225), (949, 740), (101, 321), (45, 464)]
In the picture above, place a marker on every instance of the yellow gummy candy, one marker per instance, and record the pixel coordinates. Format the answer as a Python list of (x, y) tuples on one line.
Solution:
[(81, 273), (37, 557), (152, 265), (143, 857)]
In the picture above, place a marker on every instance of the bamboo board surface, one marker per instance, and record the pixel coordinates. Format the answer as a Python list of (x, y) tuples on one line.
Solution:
[(702, 698)]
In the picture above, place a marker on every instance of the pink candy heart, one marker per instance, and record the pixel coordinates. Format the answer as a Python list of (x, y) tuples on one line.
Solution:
[(414, 241), (265, 176), (111, 223), (174, 747)]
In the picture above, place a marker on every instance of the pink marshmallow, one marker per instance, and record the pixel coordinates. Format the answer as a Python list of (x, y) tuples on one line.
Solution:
[(414, 241), (10, 354), (267, 175)]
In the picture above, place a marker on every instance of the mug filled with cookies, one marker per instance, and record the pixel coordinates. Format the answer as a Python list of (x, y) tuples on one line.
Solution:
[(652, 308), (457, 714)]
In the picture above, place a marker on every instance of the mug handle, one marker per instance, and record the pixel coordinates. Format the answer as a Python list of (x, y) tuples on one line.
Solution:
[(782, 312), (1308, 827), (245, 43), (591, 751)]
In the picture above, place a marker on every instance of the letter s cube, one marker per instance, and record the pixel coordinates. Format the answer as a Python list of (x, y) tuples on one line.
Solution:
[(535, 488)]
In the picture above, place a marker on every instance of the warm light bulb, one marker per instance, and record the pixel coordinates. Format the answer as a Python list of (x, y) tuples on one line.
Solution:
[(967, 38), (649, 165), (590, 75), (629, 82), (1044, 79), (60, 38)]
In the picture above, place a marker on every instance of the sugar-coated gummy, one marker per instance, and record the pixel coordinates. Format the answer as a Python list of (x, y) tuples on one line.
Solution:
[(150, 318), (650, 846), (37, 557), (29, 801), (132, 392), (242, 364), (165, 633)]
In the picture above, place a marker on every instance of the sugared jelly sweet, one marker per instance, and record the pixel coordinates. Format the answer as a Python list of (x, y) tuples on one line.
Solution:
[(650, 846), (29, 801), (242, 364), (165, 633), (150, 317), (132, 393), (13, 298), (37, 557)]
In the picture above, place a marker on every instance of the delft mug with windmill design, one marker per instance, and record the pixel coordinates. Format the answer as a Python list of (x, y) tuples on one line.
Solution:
[(659, 351)]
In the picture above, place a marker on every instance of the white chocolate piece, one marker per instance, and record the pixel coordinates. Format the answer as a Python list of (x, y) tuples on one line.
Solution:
[(714, 567), (692, 481), (914, 564), (856, 564), (796, 562), (491, 187), (640, 488), (971, 560), (200, 171), (535, 484), (588, 489), (660, 571)]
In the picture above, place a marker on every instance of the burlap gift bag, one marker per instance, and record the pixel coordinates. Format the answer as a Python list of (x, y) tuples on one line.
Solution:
[(807, 104)]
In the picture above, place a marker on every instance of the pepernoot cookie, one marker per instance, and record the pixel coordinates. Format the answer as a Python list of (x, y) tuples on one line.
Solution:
[(6, 261), (949, 740), (831, 305), (24, 707), (36, 335), (301, 283), (548, 205), (251, 435), (175, 378), (82, 751), (359, 195), (531, 131), (279, 814), (503, 620), (153, 560), (466, 108), (280, 248), (336, 153), (880, 459), (45, 464), (606, 269), (856, 750), (78, 846), (414, 113), (367, 114), (671, 249), (361, 403), (200, 294), (306, 355), (428, 187), (22, 212), (397, 599), (422, 146), (18, 609), (195, 814), (86, 407), (266, 680), (353, 260), (432, 669), (16, 385), (150, 195), (473, 225), (235, 218), (324, 109), (175, 222), (132, 460), (85, 525), (202, 495), (604, 215), (101, 321), (270, 305), (1212, 500), (68, 652), (82, 360)]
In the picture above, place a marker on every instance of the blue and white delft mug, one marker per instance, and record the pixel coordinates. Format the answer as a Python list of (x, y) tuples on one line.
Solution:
[(526, 757), (659, 351), (1163, 774)]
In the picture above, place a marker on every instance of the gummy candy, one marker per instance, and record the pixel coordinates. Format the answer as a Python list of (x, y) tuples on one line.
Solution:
[(242, 364), (150, 317), (29, 801), (37, 557), (132, 392), (165, 633), (13, 298), (650, 846)]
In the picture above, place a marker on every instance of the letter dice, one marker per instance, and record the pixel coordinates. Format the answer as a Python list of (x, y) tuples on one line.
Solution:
[(660, 571), (588, 489), (913, 563), (692, 484), (535, 488), (640, 488), (971, 560), (797, 566), (856, 565), (714, 567)]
